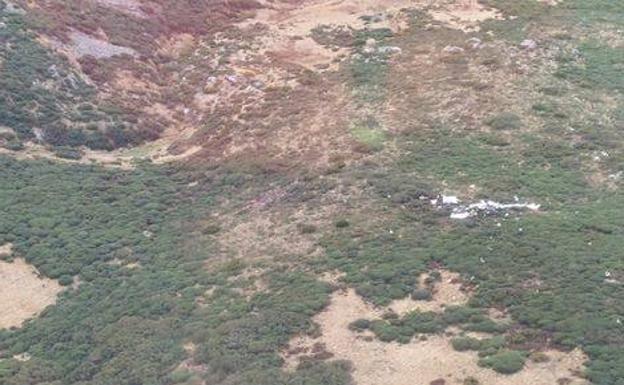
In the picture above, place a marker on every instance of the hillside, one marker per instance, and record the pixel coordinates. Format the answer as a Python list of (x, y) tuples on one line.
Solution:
[(311, 192)]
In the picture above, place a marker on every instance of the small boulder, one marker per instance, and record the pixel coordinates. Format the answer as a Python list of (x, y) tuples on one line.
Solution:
[(528, 44), (474, 43), (453, 49), (389, 50)]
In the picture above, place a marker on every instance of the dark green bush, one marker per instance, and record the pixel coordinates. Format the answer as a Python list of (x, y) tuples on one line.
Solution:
[(465, 343), (68, 153), (505, 362), (384, 331), (360, 324), (422, 295), (14, 145), (305, 228), (470, 381), (342, 223)]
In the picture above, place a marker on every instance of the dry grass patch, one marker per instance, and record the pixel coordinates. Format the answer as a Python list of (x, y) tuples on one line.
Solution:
[(291, 24), (447, 292), (375, 362), (464, 15), (24, 293)]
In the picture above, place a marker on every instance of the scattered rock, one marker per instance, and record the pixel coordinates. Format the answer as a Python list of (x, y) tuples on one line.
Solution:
[(445, 200), (211, 86), (258, 84), (13, 9), (86, 45), (474, 43), (453, 49), (484, 207), (528, 44), (389, 50)]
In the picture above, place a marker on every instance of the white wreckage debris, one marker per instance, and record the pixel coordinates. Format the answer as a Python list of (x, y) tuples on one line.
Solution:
[(484, 207)]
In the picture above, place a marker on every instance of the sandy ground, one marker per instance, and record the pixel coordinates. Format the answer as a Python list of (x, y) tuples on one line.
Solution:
[(131, 7), (465, 17), (24, 293), (418, 362), (290, 26), (447, 292)]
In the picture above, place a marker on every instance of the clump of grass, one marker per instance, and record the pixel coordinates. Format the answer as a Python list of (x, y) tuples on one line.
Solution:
[(360, 325), (368, 132), (305, 228), (505, 121), (14, 145), (539, 357), (470, 381), (342, 223), (68, 153), (372, 139)]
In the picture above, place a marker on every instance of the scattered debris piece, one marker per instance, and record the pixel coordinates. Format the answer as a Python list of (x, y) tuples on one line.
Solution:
[(488, 207), (483, 207)]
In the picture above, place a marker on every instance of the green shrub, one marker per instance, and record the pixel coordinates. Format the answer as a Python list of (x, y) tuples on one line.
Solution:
[(14, 145), (180, 376), (485, 325), (305, 228), (342, 223), (384, 331), (360, 324), (539, 357), (422, 295), (505, 121), (505, 362), (423, 322), (66, 280), (470, 381), (68, 153), (212, 229), (462, 344), (495, 140), (459, 314)]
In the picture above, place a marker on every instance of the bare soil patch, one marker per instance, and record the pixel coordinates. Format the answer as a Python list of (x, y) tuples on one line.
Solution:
[(447, 292), (465, 15), (290, 26), (131, 7), (82, 44), (24, 293), (376, 362)]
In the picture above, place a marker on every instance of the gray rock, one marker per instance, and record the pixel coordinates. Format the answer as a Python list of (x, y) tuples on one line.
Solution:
[(387, 49), (528, 44), (474, 42), (453, 49)]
